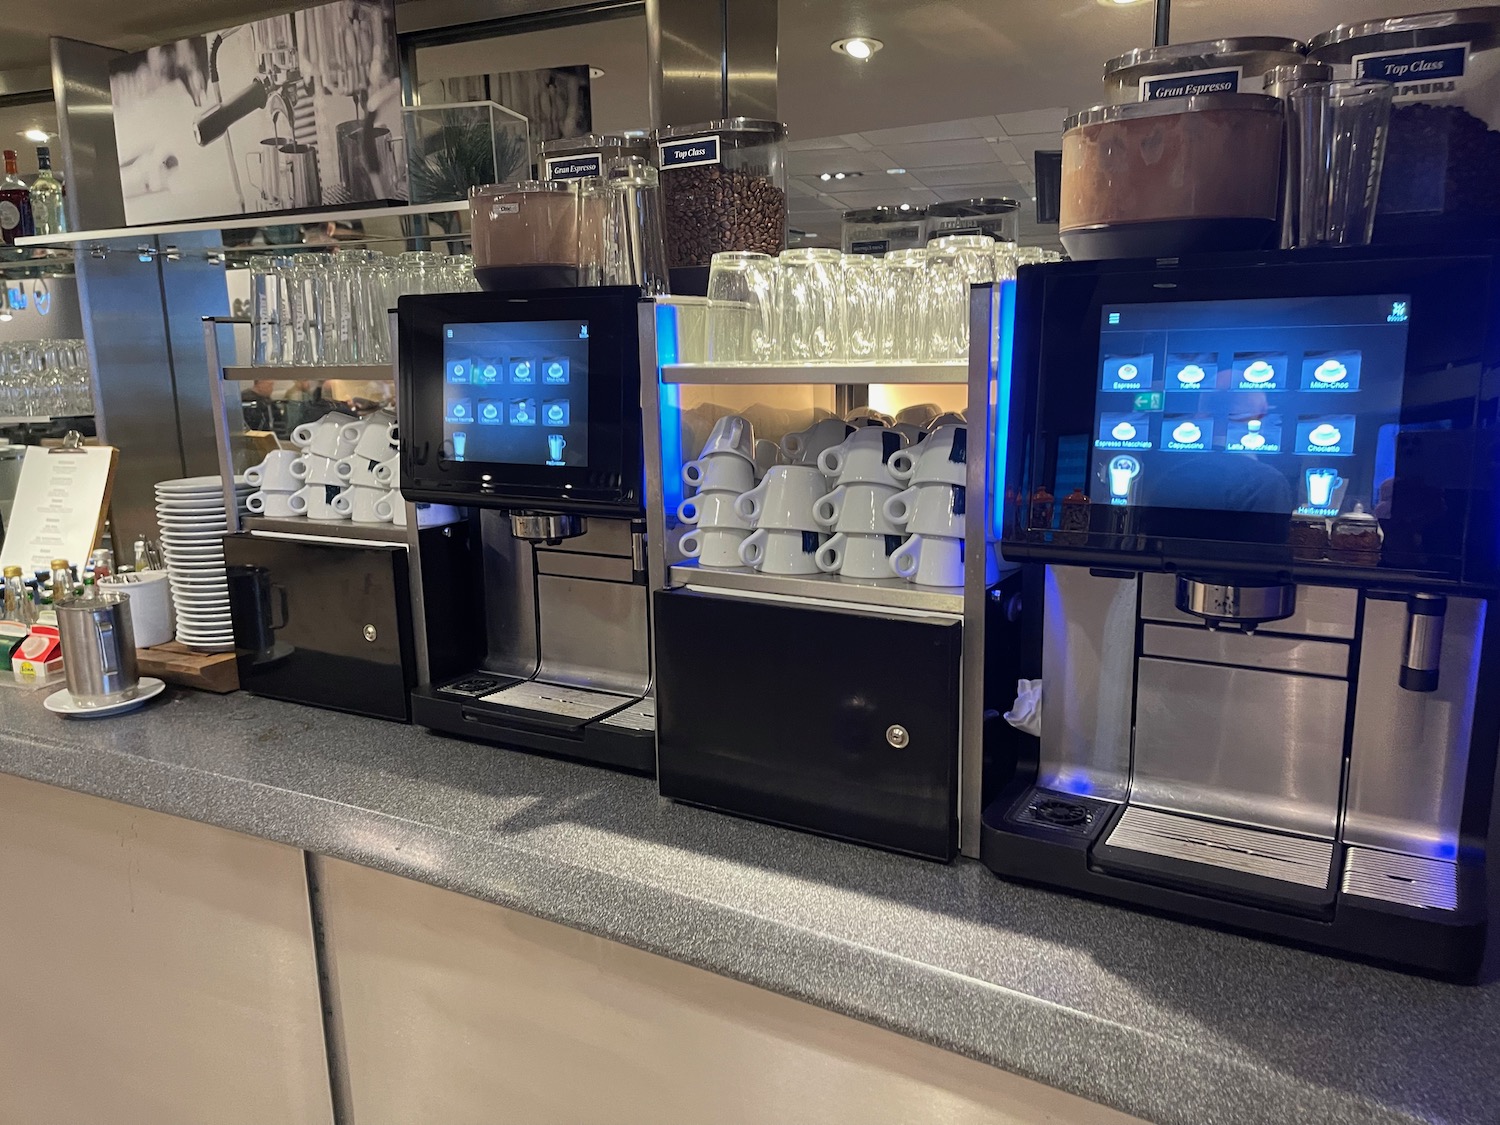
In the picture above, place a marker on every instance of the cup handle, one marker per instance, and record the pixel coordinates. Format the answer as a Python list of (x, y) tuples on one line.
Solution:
[(898, 508), (297, 503), (830, 555), (692, 473), (691, 544), (302, 436), (747, 504), (253, 474), (256, 502), (906, 558), (902, 465), (828, 508), (282, 605), (299, 469), (792, 445), (384, 511), (752, 550), (343, 469), (690, 505), (831, 461)]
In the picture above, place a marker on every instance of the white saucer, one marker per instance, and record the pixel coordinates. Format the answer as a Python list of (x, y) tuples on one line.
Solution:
[(61, 702)]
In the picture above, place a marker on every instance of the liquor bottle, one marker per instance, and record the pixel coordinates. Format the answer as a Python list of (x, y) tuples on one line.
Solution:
[(15, 203), (46, 197), (63, 585), (19, 604)]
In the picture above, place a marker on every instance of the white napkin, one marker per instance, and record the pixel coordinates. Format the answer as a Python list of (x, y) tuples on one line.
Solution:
[(1026, 713)]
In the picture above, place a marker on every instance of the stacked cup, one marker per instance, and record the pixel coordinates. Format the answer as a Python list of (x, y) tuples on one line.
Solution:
[(724, 469), (932, 510), (323, 445), (864, 537), (786, 538), (275, 484), (370, 470), (804, 446)]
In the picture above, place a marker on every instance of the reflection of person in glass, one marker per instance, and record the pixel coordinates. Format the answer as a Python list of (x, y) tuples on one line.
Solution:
[(1231, 482)]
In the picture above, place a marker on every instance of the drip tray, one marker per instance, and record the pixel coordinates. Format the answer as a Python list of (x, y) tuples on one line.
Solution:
[(574, 705), (1230, 860)]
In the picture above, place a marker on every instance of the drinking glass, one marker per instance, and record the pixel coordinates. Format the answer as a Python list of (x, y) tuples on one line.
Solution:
[(265, 312), (742, 321), (1006, 261), (1031, 256), (421, 271), (1339, 129), (351, 331), (953, 264), (811, 287), (904, 331), (865, 309), (306, 281)]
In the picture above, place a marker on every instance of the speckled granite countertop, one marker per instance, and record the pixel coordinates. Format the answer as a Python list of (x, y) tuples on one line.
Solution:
[(1170, 1022)]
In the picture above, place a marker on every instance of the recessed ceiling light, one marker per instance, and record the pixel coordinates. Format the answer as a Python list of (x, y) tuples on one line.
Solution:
[(37, 135), (857, 47), (895, 171), (825, 176), (596, 72)]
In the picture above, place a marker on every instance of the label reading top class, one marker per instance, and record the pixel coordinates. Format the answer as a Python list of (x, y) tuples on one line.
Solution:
[(690, 152)]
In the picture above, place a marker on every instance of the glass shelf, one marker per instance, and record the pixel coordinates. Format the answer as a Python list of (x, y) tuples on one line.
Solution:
[(952, 372), (246, 222), (889, 593)]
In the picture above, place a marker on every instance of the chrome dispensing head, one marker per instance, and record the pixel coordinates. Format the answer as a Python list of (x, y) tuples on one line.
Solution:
[(1234, 604), (546, 527)]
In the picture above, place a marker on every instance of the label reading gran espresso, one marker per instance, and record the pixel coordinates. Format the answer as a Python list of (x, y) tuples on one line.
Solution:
[(575, 167), (1424, 72), (690, 152), (1223, 80)]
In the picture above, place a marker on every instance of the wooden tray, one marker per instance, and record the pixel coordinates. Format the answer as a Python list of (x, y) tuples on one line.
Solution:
[(180, 665)]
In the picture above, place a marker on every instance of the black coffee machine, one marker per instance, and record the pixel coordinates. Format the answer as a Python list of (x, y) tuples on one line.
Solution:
[(523, 408), (1256, 496)]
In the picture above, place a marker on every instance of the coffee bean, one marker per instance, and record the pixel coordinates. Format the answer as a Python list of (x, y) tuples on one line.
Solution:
[(1439, 158), (713, 208)]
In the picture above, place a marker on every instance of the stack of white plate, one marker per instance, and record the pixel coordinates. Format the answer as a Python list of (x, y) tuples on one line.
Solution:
[(193, 522)]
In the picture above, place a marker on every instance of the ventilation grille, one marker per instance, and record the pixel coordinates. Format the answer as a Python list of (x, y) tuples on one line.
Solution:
[(1271, 855), (1406, 879)]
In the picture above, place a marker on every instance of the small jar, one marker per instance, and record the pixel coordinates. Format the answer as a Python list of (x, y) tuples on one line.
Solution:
[(1039, 520), (723, 187), (577, 158), (527, 235), (1075, 517), (1215, 66), (880, 230), (997, 218), (1308, 538)]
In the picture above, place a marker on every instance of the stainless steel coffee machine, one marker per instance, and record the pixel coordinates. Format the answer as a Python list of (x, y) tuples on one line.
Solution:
[(1257, 494), (524, 409)]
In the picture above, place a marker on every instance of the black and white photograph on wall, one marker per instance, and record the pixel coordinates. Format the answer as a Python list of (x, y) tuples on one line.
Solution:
[(557, 101), (287, 113)]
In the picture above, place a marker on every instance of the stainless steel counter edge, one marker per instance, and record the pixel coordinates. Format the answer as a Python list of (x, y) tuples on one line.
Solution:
[(1170, 1022)]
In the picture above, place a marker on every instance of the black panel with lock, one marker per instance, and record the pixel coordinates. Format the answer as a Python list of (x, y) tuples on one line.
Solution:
[(323, 624), (839, 721)]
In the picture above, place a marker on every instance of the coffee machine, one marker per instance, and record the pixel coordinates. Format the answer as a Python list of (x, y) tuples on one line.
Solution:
[(1255, 496), (523, 409)]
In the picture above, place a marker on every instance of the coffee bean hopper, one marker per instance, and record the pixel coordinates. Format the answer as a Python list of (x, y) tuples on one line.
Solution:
[(523, 409)]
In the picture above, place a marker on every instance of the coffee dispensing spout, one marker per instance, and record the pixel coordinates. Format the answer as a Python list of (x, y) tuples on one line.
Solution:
[(1230, 603), (1422, 653), (550, 528)]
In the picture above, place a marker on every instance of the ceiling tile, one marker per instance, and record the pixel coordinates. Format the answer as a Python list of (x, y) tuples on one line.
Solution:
[(1035, 121), (968, 174), (916, 134), (814, 161), (816, 143), (939, 154)]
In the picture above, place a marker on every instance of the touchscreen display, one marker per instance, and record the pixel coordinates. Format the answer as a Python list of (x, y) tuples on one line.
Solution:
[(1285, 405), (517, 393)]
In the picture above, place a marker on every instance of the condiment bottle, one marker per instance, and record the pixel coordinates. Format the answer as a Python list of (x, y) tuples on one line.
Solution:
[(19, 604)]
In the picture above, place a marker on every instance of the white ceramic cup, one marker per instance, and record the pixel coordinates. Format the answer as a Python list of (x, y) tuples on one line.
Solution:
[(731, 434), (713, 509), (864, 457), (358, 470), (714, 546), (376, 440), (803, 447), (325, 436), (767, 453), (929, 509), (274, 473), (314, 468), (315, 503), (912, 432), (150, 605), (274, 504), (930, 560), (387, 472), (781, 551), (942, 458), (363, 500), (856, 508), (862, 416), (784, 500), (856, 555), (386, 505), (398, 507), (950, 418), (933, 560), (921, 414), (715, 471)]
